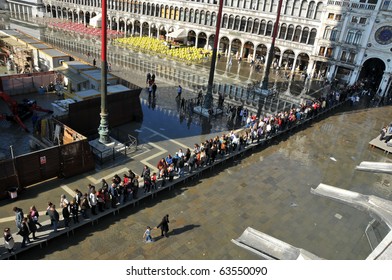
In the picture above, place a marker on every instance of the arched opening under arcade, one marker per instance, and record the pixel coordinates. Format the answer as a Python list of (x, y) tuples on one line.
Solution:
[(75, 16), (371, 73), (248, 51), (136, 28), (211, 39), (302, 62), (224, 45), (88, 16), (191, 39), (129, 27), (145, 29), (236, 45), (201, 40), (276, 57), (153, 30), (121, 24), (81, 17), (162, 32), (287, 60), (261, 53)]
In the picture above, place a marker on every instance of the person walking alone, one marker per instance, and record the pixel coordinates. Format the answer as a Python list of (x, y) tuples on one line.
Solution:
[(164, 225), (179, 92), (9, 241), (154, 89), (147, 235), (18, 217), (34, 214)]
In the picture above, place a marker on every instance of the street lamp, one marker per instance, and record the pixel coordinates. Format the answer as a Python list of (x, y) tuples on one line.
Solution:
[(208, 98), (103, 129), (264, 83)]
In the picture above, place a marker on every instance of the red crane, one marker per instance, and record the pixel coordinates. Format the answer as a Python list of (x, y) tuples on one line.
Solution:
[(20, 111)]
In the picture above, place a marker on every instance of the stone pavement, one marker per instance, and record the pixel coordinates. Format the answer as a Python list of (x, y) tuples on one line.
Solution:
[(268, 190)]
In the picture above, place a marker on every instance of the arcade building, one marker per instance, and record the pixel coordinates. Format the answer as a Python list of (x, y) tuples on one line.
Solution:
[(349, 41)]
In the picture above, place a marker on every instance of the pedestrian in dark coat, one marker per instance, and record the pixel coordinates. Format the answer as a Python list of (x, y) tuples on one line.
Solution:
[(24, 232), (164, 225), (32, 226), (66, 216)]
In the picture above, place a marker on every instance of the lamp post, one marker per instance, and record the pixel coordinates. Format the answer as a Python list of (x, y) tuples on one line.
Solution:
[(103, 129), (208, 98), (264, 83)]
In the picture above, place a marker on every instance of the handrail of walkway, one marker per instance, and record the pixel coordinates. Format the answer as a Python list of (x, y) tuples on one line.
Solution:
[(45, 234)]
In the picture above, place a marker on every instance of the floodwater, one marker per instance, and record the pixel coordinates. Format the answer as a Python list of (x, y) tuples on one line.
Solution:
[(268, 190)]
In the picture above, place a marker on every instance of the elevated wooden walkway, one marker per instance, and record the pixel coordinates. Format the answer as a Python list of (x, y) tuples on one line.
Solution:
[(376, 142)]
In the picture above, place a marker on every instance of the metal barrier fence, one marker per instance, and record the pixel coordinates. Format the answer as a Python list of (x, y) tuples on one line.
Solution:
[(194, 76)]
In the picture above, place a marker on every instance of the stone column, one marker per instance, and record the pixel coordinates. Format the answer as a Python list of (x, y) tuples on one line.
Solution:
[(331, 72), (384, 83), (254, 53), (309, 68), (267, 55), (242, 50), (229, 50), (281, 59), (355, 74), (294, 63)]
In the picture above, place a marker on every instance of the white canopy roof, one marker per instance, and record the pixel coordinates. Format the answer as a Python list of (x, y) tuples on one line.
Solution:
[(96, 21), (180, 33)]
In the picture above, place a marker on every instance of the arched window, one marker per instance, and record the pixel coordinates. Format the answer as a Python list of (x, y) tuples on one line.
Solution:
[(186, 15), (327, 33), (153, 10), (196, 17), (282, 32), (231, 22), (297, 34), (334, 34), (290, 32), (255, 26), (236, 23), (269, 29), (304, 5), (213, 19), (224, 21), (350, 37), (357, 38), (289, 7), (262, 27), (317, 14), (267, 6), (181, 14), (249, 25), (312, 36), (208, 19), (163, 11), (274, 4), (191, 16), (311, 8), (296, 10), (304, 36), (243, 24), (202, 18)]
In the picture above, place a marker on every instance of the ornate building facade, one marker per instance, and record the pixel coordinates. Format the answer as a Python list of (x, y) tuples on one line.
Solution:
[(343, 40)]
